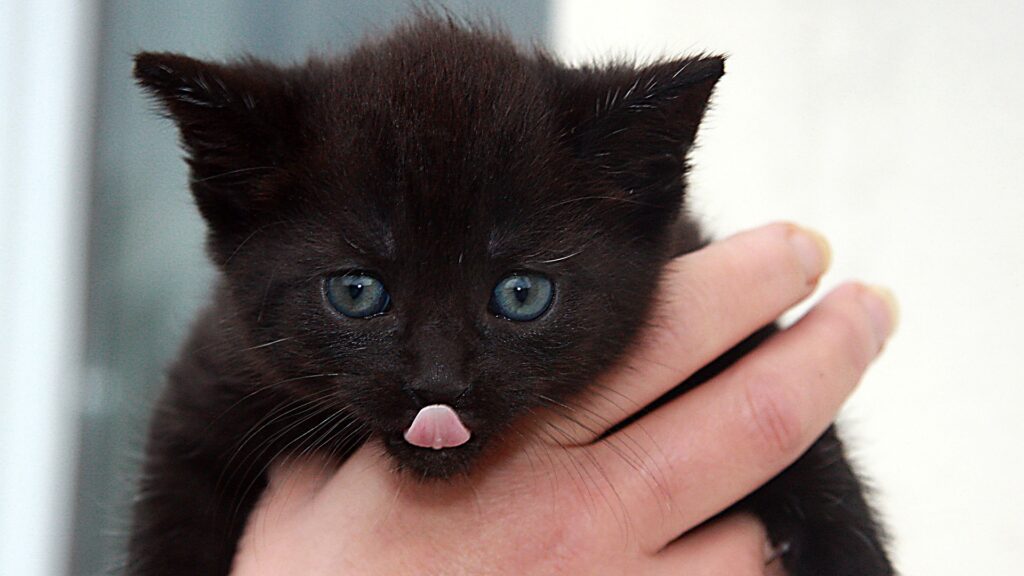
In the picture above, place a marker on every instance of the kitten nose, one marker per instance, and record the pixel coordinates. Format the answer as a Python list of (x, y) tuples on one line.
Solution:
[(427, 392)]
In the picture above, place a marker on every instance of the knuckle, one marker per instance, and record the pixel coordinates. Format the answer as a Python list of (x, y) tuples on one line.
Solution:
[(773, 418), (777, 263)]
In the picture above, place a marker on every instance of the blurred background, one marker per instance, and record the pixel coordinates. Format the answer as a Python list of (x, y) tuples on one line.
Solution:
[(897, 128)]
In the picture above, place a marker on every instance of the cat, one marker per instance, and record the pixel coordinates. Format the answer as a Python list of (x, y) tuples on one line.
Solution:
[(437, 219)]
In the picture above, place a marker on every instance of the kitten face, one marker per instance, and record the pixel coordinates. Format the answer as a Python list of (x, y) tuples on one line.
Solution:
[(439, 239), (435, 166)]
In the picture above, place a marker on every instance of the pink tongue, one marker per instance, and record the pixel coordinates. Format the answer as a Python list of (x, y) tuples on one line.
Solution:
[(437, 427)]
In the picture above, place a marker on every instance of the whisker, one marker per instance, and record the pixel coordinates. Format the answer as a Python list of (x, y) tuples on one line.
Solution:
[(563, 258), (627, 524), (266, 292), (303, 413), (232, 173), (250, 237), (601, 388), (550, 458), (638, 462), (266, 466), (585, 492), (523, 447), (267, 387), (265, 344), (298, 407), (351, 432), (327, 435)]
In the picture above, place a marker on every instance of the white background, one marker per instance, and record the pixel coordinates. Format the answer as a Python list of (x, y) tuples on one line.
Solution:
[(897, 128)]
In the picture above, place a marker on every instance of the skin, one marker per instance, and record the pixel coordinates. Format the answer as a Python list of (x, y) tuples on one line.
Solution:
[(638, 501)]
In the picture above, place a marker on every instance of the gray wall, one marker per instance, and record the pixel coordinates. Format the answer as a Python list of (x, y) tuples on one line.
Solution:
[(148, 274)]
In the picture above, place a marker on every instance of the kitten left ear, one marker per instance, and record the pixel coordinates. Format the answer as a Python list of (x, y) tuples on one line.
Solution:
[(637, 125), (234, 121)]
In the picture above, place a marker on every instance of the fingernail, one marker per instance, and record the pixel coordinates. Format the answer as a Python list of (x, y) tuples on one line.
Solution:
[(812, 249), (882, 309)]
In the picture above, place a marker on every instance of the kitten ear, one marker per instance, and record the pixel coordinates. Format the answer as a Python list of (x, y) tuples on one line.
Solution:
[(637, 125), (233, 120)]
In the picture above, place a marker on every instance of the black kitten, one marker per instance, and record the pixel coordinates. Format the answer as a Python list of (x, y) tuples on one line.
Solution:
[(436, 219)]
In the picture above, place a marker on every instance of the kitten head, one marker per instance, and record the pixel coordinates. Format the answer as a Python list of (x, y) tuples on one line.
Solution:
[(435, 218)]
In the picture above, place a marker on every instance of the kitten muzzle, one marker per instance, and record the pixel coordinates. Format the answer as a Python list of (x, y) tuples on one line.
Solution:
[(437, 426)]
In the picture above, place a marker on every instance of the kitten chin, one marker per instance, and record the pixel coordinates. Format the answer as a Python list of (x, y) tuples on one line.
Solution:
[(436, 218), (427, 465)]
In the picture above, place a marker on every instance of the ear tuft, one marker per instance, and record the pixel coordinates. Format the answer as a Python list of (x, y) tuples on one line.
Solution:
[(236, 122), (180, 80), (669, 97), (636, 125)]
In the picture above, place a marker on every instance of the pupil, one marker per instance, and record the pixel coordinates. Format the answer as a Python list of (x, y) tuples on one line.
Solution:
[(354, 290), (521, 293)]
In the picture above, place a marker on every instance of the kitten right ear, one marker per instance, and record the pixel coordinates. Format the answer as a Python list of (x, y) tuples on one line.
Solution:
[(637, 125), (234, 121)]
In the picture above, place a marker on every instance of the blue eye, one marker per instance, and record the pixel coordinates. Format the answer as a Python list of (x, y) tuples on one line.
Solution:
[(522, 297), (357, 295)]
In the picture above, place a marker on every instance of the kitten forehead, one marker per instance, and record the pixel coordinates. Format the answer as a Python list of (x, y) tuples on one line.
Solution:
[(440, 136), (444, 81)]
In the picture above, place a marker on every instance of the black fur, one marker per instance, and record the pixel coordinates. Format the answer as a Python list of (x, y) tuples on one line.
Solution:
[(440, 158)]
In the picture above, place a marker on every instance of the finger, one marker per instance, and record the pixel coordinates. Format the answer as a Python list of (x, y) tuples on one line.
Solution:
[(365, 470), (736, 545), (293, 482), (715, 444), (708, 301)]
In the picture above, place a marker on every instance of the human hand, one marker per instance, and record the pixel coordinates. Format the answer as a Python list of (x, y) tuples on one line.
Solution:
[(553, 499)]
